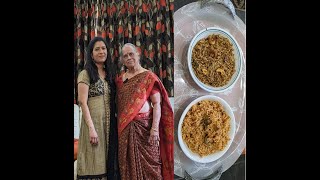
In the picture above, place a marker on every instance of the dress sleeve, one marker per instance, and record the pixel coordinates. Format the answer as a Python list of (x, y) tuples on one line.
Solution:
[(84, 78), (155, 89)]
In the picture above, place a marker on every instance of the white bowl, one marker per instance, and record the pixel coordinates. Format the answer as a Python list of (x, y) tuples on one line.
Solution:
[(237, 53), (212, 157)]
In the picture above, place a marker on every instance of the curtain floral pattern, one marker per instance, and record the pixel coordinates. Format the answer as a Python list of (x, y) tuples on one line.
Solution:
[(146, 23)]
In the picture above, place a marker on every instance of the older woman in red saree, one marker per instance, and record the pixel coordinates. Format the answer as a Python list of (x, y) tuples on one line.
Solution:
[(145, 122)]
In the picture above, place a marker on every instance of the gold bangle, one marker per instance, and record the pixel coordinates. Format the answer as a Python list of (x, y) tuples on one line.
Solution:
[(154, 129)]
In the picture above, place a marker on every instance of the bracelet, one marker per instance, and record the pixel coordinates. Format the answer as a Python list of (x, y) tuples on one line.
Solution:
[(154, 129)]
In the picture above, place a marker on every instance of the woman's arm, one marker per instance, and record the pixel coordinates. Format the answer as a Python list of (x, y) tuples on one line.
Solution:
[(83, 90), (154, 132)]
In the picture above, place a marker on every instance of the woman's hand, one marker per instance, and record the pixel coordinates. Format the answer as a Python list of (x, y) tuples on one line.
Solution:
[(93, 136), (154, 131), (154, 136)]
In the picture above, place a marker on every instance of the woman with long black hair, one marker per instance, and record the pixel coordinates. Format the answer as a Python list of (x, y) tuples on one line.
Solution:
[(97, 149)]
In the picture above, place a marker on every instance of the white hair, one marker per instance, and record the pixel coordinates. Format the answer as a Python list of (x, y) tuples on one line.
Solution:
[(131, 45)]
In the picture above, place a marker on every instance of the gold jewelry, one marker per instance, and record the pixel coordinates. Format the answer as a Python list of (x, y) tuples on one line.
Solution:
[(154, 129)]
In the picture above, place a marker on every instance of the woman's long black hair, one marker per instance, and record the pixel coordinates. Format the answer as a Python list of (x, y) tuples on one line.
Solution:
[(92, 68), (110, 69)]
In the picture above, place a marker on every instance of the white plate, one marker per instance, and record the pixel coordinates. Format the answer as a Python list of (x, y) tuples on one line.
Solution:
[(237, 53), (209, 158)]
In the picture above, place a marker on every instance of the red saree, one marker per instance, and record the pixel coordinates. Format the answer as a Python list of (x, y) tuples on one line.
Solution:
[(134, 130)]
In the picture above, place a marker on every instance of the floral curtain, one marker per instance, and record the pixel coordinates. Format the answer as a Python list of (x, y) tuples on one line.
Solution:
[(146, 23)]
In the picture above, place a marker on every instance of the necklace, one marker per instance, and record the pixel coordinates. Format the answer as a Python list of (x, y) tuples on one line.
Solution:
[(133, 74)]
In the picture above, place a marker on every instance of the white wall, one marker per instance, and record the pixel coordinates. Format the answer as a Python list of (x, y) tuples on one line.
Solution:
[(76, 121)]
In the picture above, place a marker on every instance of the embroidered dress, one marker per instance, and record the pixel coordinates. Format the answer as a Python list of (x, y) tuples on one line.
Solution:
[(92, 160)]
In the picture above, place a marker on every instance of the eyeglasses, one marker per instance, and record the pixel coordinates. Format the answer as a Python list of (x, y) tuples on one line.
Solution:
[(126, 56)]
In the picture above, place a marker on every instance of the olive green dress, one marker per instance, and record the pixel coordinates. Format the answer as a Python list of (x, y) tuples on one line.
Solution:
[(92, 159)]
